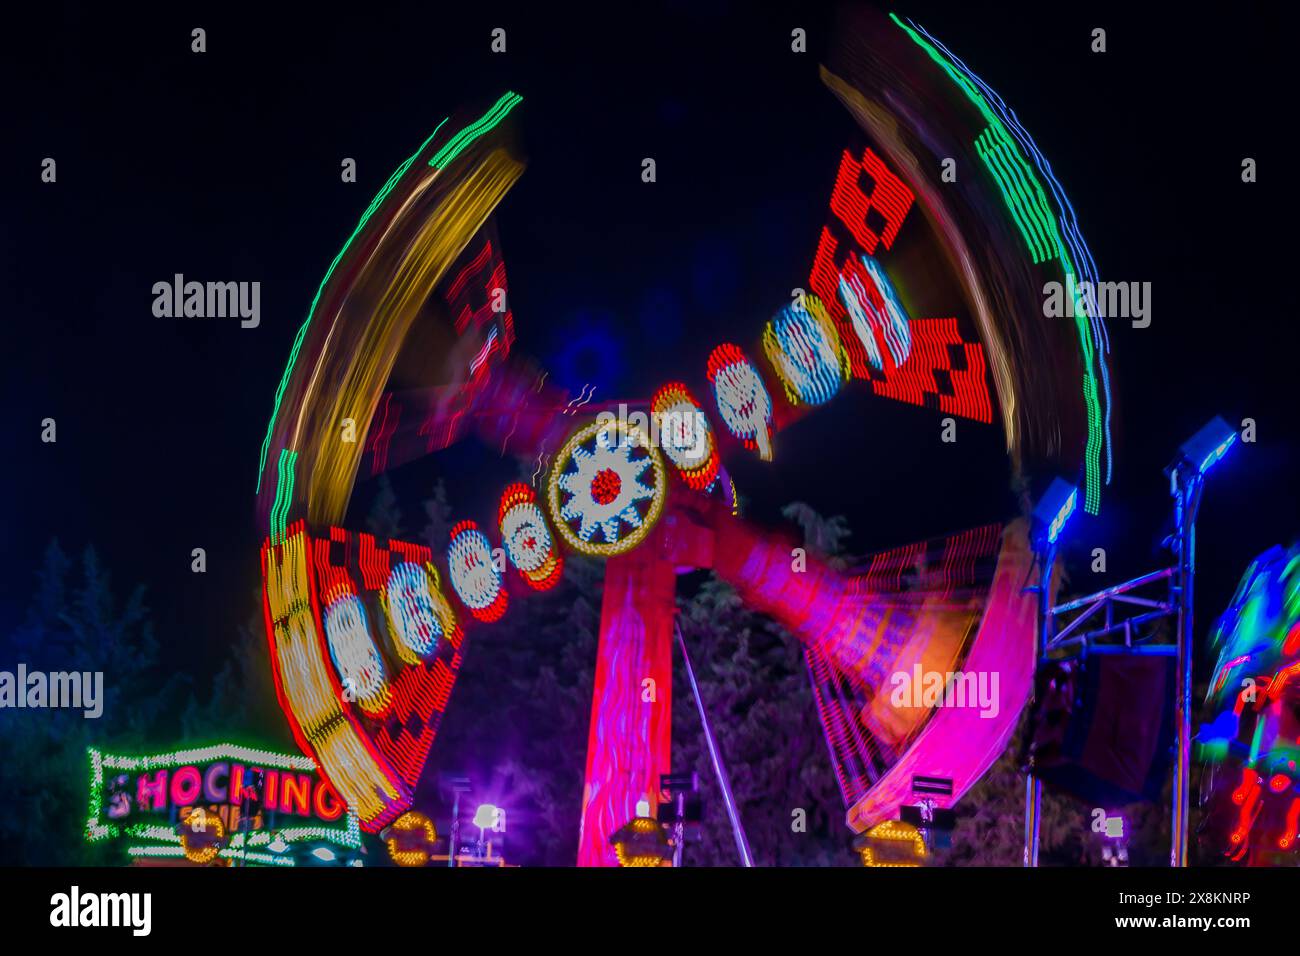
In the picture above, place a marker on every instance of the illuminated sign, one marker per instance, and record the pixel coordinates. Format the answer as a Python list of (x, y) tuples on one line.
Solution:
[(256, 798)]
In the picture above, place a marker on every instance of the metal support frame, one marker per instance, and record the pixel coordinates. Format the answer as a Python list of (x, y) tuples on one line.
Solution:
[(1033, 785), (1185, 485), (458, 786), (1066, 628)]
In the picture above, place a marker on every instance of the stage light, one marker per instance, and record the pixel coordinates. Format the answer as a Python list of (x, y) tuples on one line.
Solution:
[(1206, 447), (410, 839), (324, 854), (641, 842), (1054, 510), (892, 843), (485, 817)]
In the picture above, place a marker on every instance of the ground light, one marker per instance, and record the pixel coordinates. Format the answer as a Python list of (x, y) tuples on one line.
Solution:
[(642, 842), (892, 843)]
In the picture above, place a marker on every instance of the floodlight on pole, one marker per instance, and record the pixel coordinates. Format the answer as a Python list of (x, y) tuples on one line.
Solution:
[(1048, 520), (1186, 474), (1206, 447), (1055, 509), (457, 785)]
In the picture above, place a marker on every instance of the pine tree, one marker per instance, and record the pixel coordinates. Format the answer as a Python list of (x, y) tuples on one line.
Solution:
[(76, 623), (438, 514), (385, 520)]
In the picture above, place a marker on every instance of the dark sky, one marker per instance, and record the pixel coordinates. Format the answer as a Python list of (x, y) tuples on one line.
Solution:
[(225, 166)]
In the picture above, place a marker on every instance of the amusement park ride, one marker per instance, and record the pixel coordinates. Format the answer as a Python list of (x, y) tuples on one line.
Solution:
[(366, 636)]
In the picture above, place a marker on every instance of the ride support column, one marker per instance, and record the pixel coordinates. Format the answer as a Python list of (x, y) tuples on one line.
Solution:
[(629, 744)]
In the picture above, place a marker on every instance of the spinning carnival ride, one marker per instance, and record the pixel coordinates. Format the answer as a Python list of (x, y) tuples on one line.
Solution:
[(1250, 789), (366, 636)]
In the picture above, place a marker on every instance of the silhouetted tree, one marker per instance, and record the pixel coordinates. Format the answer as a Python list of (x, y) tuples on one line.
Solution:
[(76, 623)]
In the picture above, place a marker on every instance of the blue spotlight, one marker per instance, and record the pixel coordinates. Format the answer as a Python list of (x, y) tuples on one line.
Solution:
[(1207, 446), (1054, 510)]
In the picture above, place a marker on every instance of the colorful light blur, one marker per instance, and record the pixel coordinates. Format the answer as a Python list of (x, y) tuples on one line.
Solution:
[(893, 843), (641, 843), (804, 349), (1051, 233), (607, 488), (475, 580), (1251, 790), (685, 435), (943, 370), (373, 758), (410, 839), (354, 655), (527, 538), (742, 398), (406, 242), (416, 612), (202, 836)]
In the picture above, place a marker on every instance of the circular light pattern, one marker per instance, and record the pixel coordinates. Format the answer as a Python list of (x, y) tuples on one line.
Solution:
[(476, 582), (685, 435), (642, 842), (410, 838), (893, 843), (527, 539), (417, 612), (742, 398), (804, 349), (607, 488), (354, 654), (202, 836)]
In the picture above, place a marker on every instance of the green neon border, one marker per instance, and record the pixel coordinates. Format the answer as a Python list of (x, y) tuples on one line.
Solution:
[(96, 829), (1092, 451), (443, 158)]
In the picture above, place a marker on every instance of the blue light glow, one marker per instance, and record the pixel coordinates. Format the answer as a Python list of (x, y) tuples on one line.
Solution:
[(1062, 516)]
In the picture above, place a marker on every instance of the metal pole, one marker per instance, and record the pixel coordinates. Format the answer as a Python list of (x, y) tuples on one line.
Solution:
[(1033, 815), (679, 829), (1187, 493), (455, 828), (1033, 785), (737, 828)]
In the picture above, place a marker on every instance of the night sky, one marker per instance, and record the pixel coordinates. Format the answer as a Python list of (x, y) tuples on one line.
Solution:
[(225, 166)]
